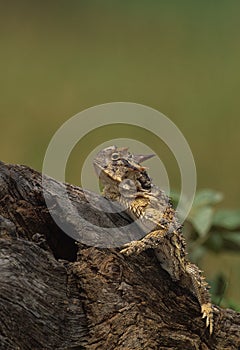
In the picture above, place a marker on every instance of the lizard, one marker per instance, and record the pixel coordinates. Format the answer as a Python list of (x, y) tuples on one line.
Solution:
[(126, 181)]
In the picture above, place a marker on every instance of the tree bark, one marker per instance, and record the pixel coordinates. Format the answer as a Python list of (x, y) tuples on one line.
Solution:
[(56, 294)]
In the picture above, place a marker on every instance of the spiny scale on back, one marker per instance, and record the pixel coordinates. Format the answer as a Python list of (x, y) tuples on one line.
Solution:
[(126, 181)]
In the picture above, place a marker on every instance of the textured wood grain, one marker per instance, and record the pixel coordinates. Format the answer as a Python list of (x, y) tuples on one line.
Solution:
[(37, 310), (56, 294)]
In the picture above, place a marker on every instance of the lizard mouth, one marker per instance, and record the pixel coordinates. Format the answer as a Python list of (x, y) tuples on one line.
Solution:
[(103, 174)]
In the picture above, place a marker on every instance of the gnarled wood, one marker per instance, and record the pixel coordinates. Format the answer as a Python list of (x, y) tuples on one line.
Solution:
[(55, 294)]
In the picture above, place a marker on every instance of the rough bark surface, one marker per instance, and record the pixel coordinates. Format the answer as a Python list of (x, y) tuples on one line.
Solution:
[(56, 294)]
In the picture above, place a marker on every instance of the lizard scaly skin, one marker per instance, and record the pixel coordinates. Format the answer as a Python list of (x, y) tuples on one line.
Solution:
[(125, 180)]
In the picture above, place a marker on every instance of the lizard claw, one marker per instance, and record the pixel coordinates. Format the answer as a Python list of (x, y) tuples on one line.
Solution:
[(134, 247), (208, 314)]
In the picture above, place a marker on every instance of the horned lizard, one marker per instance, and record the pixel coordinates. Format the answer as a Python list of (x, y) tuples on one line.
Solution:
[(125, 180)]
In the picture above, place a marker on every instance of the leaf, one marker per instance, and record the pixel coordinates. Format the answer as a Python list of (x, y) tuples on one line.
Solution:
[(197, 254), (215, 242), (227, 218), (207, 197), (231, 241), (201, 219), (233, 237)]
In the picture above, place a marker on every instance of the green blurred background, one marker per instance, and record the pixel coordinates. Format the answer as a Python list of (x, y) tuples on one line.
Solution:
[(179, 57)]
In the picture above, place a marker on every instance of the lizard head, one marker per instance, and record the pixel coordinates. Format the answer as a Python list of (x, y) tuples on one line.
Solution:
[(115, 164)]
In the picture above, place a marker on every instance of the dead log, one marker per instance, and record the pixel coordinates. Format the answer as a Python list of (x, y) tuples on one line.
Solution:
[(56, 294)]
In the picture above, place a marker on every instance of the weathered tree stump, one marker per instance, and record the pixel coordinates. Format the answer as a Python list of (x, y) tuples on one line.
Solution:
[(56, 294)]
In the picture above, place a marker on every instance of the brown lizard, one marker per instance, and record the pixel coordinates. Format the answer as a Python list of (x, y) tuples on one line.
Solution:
[(125, 180)]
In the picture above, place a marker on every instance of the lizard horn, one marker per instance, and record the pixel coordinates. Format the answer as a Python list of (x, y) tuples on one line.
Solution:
[(139, 158)]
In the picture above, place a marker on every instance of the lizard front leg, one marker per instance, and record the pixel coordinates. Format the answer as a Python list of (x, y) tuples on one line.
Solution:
[(151, 240)]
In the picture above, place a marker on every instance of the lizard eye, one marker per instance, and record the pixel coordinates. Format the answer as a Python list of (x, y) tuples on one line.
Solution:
[(115, 156)]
